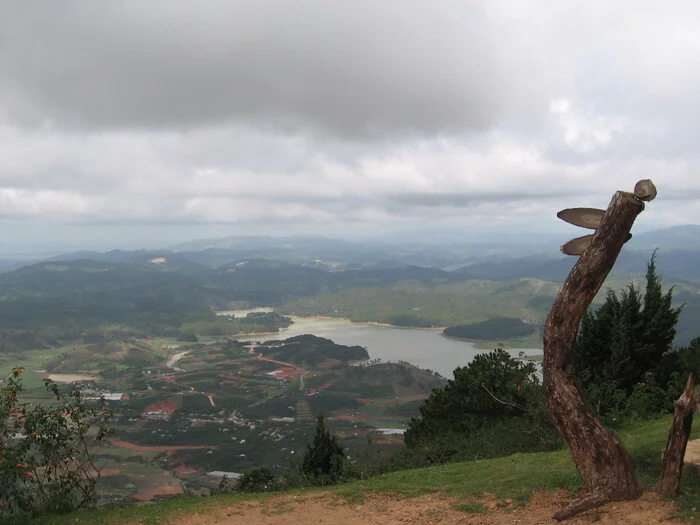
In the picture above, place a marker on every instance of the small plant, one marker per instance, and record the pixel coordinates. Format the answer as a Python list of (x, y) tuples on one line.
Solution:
[(47, 452), (473, 507), (226, 486)]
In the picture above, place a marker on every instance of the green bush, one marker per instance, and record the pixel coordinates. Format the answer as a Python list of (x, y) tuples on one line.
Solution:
[(187, 337), (47, 453), (257, 479)]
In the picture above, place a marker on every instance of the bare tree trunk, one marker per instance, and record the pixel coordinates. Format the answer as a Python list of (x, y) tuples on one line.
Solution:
[(672, 463), (605, 466)]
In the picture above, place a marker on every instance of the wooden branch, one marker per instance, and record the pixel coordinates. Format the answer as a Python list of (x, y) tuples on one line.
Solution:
[(672, 462), (605, 466), (506, 403)]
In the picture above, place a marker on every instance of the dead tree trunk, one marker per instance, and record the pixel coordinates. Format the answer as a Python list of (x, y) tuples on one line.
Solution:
[(605, 466), (672, 462)]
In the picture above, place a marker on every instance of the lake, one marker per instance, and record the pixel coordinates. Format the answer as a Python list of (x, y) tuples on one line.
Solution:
[(423, 348)]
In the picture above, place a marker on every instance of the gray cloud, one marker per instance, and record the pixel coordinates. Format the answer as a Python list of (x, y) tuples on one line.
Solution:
[(360, 68), (340, 117)]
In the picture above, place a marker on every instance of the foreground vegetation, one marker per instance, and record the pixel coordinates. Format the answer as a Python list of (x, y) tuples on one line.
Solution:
[(512, 478)]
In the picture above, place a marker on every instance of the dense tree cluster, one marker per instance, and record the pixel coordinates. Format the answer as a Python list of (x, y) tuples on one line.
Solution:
[(625, 358), (496, 328)]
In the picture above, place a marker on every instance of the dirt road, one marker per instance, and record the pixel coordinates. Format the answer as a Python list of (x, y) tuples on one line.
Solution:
[(426, 510)]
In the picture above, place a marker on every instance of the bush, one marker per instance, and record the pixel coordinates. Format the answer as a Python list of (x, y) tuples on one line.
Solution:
[(47, 452), (257, 479), (187, 337)]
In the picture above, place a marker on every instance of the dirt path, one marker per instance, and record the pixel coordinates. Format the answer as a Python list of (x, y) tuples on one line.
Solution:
[(301, 371), (432, 509)]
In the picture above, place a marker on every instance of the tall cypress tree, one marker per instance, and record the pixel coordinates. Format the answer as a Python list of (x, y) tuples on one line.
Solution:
[(659, 320), (324, 462), (627, 338)]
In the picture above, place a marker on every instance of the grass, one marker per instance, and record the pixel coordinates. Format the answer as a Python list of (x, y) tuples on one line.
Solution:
[(472, 507), (513, 478)]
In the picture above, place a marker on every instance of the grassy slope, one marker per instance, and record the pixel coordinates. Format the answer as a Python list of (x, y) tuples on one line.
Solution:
[(514, 477)]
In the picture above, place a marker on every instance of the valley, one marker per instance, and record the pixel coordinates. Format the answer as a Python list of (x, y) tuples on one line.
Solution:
[(214, 369), (196, 412)]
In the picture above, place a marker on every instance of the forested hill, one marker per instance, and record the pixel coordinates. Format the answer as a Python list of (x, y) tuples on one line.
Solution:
[(159, 292)]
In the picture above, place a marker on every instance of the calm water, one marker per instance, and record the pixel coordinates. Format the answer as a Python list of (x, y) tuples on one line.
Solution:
[(423, 348)]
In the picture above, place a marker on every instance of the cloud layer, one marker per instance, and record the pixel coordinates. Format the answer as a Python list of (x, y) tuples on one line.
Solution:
[(344, 117)]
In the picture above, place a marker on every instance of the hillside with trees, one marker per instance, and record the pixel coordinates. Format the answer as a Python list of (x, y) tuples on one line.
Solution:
[(497, 327)]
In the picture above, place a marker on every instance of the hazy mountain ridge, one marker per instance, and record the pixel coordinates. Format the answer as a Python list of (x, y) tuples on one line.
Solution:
[(158, 290)]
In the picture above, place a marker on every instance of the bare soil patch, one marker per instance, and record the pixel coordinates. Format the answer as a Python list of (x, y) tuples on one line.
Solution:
[(156, 448), (692, 452), (167, 405), (431, 509), (161, 491)]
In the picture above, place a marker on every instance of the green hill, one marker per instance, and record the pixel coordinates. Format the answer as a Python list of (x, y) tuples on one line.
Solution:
[(469, 301)]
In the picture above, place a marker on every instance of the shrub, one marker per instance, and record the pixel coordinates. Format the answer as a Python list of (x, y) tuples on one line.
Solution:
[(47, 452), (257, 479)]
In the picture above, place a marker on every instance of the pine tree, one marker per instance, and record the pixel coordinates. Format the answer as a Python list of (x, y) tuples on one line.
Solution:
[(659, 320), (324, 462), (626, 341)]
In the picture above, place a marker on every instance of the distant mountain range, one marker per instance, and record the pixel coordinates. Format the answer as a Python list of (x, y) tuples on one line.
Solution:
[(494, 260), (155, 291)]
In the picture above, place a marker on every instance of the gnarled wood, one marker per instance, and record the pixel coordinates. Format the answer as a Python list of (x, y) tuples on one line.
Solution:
[(672, 462), (587, 502), (601, 459)]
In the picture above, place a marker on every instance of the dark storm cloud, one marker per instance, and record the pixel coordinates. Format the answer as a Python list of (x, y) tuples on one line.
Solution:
[(359, 68)]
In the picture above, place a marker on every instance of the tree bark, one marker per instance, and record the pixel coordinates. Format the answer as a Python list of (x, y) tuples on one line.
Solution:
[(672, 462), (602, 461)]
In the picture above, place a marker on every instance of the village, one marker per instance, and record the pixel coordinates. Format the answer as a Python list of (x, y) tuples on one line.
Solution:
[(214, 409)]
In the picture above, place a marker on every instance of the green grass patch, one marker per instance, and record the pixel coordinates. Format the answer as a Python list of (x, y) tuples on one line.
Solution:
[(472, 507)]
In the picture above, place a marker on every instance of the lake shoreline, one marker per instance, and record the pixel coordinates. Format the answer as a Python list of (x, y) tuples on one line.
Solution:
[(368, 323), (420, 347)]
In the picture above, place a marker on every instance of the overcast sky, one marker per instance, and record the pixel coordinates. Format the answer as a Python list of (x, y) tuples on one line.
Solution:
[(141, 123)]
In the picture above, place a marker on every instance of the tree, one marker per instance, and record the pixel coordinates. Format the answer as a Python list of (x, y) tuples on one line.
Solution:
[(187, 337), (324, 462), (604, 464), (47, 452), (627, 343), (493, 406)]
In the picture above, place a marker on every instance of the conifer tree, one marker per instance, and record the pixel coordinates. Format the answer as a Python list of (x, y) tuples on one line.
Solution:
[(626, 341), (324, 462)]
